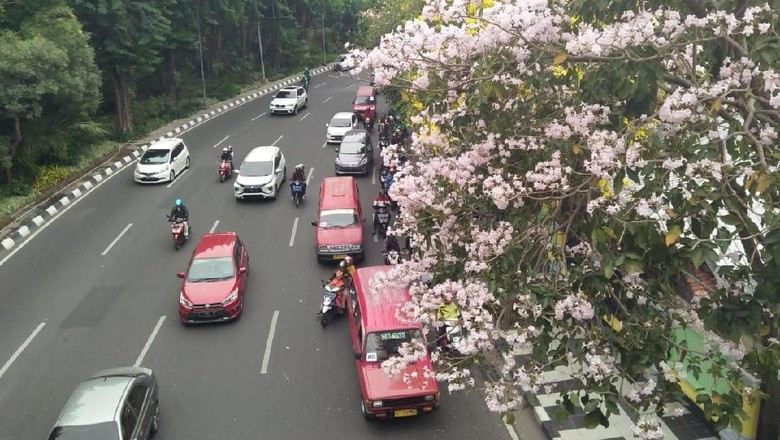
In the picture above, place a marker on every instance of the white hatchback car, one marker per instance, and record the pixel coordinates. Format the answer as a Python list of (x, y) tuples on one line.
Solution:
[(289, 100), (261, 174), (162, 161), (339, 125)]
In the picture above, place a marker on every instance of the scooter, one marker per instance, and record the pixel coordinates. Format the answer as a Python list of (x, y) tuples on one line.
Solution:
[(297, 192), (331, 303), (369, 123), (382, 220), (177, 231), (452, 337), (225, 170), (392, 257)]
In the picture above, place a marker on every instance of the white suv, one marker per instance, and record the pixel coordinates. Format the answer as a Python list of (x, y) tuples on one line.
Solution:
[(162, 161), (289, 100), (262, 173)]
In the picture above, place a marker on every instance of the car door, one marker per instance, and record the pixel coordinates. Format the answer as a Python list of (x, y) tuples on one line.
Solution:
[(176, 158), (139, 402), (278, 171), (300, 96), (241, 258), (369, 150)]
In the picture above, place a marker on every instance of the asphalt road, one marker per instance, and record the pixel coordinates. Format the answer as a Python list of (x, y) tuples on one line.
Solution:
[(72, 304)]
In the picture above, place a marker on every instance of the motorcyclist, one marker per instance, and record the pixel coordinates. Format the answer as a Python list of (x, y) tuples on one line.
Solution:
[(307, 77), (448, 311), (227, 155), (299, 175), (180, 211), (391, 244), (380, 201)]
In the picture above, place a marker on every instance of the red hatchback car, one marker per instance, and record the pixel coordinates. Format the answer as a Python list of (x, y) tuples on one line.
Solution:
[(213, 287)]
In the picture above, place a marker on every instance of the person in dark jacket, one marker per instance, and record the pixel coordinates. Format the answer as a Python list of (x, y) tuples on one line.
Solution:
[(299, 175)]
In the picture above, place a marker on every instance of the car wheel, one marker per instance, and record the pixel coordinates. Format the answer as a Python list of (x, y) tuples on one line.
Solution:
[(173, 175), (284, 176), (295, 110), (306, 102), (187, 163), (156, 418)]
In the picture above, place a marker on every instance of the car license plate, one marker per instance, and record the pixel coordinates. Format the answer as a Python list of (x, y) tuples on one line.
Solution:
[(405, 412), (339, 257)]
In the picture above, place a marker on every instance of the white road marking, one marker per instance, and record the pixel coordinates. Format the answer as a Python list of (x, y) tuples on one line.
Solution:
[(21, 348), (294, 230), (177, 178), (214, 226), (351, 85), (304, 116), (21, 245), (268, 343), (308, 178), (259, 116), (329, 98), (129, 225), (149, 341), (512, 432), (376, 239), (223, 140), (278, 139), (373, 175), (319, 85), (324, 144)]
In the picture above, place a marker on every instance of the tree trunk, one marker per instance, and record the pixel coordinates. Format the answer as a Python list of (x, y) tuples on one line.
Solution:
[(770, 413), (169, 77), (124, 109)]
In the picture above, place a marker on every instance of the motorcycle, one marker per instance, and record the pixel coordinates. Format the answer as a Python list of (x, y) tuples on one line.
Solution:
[(305, 83), (383, 172), (392, 257), (331, 303), (177, 231), (225, 170), (297, 192), (383, 143), (382, 220), (452, 337), (369, 123)]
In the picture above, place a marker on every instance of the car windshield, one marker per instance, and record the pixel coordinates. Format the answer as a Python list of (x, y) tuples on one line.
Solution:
[(152, 157), (341, 122), (285, 94), (352, 146), (257, 169), (338, 218), (364, 100), (100, 431), (381, 345), (211, 269)]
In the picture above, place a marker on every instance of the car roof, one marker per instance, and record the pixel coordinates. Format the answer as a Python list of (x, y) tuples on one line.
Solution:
[(215, 244), (365, 90), (262, 153), (165, 144), (337, 193), (97, 398), (342, 115), (378, 308)]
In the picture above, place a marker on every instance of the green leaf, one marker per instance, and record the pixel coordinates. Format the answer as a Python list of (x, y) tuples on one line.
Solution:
[(592, 405), (609, 268), (593, 419), (697, 256), (673, 235)]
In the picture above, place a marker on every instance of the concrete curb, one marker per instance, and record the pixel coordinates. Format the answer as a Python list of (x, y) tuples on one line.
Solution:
[(81, 188)]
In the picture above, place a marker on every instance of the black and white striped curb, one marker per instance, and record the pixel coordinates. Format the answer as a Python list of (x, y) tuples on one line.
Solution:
[(95, 179)]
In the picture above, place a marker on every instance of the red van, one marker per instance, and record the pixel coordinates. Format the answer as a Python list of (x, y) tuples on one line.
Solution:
[(339, 220), (377, 333), (365, 102)]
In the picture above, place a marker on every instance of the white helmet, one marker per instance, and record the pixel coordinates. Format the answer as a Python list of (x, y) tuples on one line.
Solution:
[(299, 166), (226, 150)]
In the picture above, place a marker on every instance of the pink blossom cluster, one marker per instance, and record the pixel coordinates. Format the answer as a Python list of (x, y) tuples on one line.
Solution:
[(574, 305)]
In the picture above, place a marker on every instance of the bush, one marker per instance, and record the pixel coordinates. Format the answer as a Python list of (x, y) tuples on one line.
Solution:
[(51, 175)]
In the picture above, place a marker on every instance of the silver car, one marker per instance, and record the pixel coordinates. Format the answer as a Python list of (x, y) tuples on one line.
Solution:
[(116, 404)]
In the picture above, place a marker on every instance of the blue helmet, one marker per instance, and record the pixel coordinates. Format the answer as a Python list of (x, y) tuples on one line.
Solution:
[(178, 202)]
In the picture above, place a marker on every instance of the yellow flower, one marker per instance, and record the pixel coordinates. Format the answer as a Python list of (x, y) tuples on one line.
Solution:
[(488, 3), (559, 71), (417, 105), (471, 10), (573, 20), (605, 186)]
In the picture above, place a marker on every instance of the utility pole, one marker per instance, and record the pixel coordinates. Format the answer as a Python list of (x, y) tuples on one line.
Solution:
[(200, 51), (323, 32), (260, 45)]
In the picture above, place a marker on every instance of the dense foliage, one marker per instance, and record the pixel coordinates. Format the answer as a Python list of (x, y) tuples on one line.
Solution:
[(573, 162), (76, 72)]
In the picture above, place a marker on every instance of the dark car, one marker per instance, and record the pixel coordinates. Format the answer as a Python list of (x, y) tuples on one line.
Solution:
[(120, 403), (355, 153), (213, 287)]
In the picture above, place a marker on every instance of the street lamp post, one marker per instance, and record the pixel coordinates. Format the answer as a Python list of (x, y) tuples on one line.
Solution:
[(323, 32), (200, 52), (260, 45)]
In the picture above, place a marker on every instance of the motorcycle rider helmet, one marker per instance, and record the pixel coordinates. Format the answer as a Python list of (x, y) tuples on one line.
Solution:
[(299, 167), (178, 202), (447, 297), (382, 192), (226, 150), (229, 148), (347, 261)]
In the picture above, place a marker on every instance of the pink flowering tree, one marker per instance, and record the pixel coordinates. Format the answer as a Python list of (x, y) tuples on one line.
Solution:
[(569, 166)]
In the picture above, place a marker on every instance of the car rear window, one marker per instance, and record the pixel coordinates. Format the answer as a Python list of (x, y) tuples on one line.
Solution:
[(352, 146), (211, 269), (100, 431), (340, 122), (152, 157), (338, 218)]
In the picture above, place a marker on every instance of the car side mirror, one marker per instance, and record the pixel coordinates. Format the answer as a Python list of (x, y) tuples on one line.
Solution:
[(314, 224), (236, 171), (242, 269), (357, 355), (180, 274), (278, 170)]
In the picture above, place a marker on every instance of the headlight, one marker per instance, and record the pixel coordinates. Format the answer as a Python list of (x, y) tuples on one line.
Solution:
[(338, 160), (363, 161), (238, 188), (355, 247), (230, 298), (184, 301), (322, 248), (291, 104), (376, 403), (430, 397), (269, 184), (163, 171)]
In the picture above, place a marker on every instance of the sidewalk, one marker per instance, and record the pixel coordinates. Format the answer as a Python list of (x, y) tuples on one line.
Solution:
[(681, 421)]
